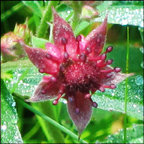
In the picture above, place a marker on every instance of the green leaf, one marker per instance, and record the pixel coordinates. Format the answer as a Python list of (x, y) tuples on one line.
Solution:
[(35, 6), (134, 135), (114, 99), (25, 77), (123, 14), (9, 129), (39, 42), (81, 27)]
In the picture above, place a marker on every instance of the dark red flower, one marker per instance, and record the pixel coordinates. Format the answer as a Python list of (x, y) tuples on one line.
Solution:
[(76, 67)]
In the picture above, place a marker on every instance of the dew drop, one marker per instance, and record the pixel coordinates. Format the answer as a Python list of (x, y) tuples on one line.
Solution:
[(134, 105), (139, 80), (14, 120), (3, 127), (142, 64), (13, 104), (141, 49)]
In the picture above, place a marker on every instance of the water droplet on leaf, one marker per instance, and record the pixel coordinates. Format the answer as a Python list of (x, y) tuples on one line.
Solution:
[(139, 80)]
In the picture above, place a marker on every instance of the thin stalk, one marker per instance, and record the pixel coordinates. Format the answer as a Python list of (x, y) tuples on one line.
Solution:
[(126, 89), (51, 132), (50, 121), (77, 8), (31, 132), (42, 29), (8, 13)]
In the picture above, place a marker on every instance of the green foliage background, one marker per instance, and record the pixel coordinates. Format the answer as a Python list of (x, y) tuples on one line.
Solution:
[(44, 123)]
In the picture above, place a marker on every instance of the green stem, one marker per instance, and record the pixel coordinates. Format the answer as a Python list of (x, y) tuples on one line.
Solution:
[(50, 121), (126, 89), (42, 29), (31, 132), (8, 13), (77, 8), (51, 132)]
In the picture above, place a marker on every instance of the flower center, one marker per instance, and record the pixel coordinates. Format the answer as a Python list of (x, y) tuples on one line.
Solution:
[(81, 76)]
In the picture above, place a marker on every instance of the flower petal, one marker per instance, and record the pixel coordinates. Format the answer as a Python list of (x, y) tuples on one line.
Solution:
[(54, 51), (39, 58), (96, 39), (47, 89), (63, 30), (116, 77), (80, 110)]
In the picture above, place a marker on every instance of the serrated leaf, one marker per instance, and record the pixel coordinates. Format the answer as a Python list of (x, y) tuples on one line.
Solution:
[(115, 99), (39, 42), (134, 135), (9, 129), (35, 6)]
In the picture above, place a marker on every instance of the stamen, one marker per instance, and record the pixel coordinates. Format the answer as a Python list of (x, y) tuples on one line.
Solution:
[(41, 70), (110, 61), (107, 71), (64, 41), (100, 63), (109, 49), (82, 57), (55, 102), (101, 89), (62, 68), (87, 96), (103, 56), (94, 104), (48, 56), (53, 79), (112, 86), (66, 56), (61, 90), (78, 38), (117, 69), (89, 50), (109, 75)]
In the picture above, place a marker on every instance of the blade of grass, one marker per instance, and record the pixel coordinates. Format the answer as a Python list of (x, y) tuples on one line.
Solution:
[(51, 132), (47, 15), (31, 132), (126, 89), (8, 13), (50, 120)]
